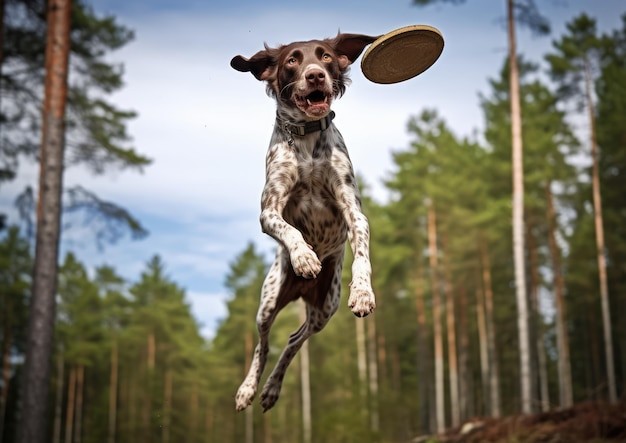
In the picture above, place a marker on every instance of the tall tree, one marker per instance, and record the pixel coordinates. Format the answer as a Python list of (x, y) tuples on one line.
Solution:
[(518, 217), (38, 355), (95, 130), (528, 15), (611, 113), (574, 65)]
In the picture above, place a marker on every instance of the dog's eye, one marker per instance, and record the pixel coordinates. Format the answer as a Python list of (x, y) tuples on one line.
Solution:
[(326, 57), (292, 61)]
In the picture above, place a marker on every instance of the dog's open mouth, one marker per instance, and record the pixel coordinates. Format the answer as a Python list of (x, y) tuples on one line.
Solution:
[(317, 103)]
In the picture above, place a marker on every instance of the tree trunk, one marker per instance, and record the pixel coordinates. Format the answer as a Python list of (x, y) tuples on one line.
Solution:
[(484, 351), (33, 426), (2, 6), (599, 224), (6, 365), (249, 417), (494, 371), (113, 393), (464, 373), (167, 405), (146, 432), (518, 219), (373, 375), (361, 362), (566, 397), (542, 370), (455, 410), (437, 327), (58, 407), (306, 385), (193, 419), (78, 422), (69, 413), (423, 356), (594, 345), (151, 351)]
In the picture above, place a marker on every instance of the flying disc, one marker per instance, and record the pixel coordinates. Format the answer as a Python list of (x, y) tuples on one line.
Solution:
[(402, 54)]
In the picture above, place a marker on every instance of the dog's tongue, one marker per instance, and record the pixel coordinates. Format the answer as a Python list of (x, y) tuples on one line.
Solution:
[(317, 103)]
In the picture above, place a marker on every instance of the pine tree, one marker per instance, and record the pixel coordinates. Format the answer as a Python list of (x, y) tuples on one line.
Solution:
[(95, 129), (573, 66)]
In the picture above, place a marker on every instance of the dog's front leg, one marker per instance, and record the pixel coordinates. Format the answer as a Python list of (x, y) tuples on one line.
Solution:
[(281, 177), (361, 301)]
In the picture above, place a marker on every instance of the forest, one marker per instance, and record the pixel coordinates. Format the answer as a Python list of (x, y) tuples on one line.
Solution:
[(129, 363)]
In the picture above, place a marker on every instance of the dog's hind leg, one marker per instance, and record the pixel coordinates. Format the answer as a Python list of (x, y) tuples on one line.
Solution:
[(321, 304), (268, 309)]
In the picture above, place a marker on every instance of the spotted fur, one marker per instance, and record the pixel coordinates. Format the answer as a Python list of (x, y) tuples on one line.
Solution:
[(310, 203)]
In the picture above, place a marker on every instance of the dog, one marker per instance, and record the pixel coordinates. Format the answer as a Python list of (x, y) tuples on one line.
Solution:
[(310, 203)]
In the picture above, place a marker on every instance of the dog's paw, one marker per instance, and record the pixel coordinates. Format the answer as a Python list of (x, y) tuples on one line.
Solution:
[(244, 397), (305, 262), (362, 302), (270, 394)]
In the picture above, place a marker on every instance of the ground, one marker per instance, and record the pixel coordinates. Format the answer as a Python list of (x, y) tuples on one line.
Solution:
[(585, 422)]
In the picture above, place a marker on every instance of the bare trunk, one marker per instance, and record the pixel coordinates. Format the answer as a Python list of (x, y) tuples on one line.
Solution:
[(151, 351), (69, 413), (484, 351), (146, 432), (566, 397), (58, 407), (599, 224), (134, 400), (194, 406), (373, 375), (6, 366), (361, 361), (594, 345), (267, 429), (455, 410), (518, 220), (2, 6), (167, 405), (249, 417), (437, 326), (209, 423), (494, 371), (464, 373), (78, 421), (113, 393), (542, 372), (306, 385), (33, 424), (423, 356)]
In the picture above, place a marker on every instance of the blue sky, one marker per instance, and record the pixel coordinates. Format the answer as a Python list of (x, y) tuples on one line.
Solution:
[(207, 126)]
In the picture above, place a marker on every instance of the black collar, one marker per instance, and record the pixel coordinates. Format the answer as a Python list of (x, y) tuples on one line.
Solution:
[(308, 127)]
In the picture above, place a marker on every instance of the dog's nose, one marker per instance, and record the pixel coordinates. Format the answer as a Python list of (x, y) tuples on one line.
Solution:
[(315, 76)]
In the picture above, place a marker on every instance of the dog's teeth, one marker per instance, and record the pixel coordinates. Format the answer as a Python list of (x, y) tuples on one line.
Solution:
[(308, 102)]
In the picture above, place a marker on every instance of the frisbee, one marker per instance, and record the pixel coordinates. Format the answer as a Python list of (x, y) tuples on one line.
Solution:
[(402, 54)]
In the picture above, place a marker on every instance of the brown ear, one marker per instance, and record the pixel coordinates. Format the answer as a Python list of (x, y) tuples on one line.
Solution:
[(351, 46), (260, 64)]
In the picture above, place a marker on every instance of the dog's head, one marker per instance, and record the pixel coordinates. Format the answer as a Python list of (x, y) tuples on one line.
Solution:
[(306, 76)]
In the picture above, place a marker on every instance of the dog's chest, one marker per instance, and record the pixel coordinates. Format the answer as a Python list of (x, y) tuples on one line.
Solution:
[(312, 206)]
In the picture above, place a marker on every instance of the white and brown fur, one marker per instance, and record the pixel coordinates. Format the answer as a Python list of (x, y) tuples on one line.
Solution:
[(310, 203)]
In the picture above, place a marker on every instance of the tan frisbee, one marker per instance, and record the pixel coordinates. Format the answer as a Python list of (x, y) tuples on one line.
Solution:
[(402, 54)]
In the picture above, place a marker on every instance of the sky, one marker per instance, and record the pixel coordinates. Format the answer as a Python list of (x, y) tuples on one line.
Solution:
[(207, 127)]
